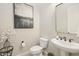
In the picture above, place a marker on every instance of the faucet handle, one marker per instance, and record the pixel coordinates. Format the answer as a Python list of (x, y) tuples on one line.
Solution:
[(60, 37), (57, 37), (70, 40), (64, 38)]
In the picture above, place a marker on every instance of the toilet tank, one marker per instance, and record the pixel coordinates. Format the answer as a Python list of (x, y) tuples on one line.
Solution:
[(43, 42)]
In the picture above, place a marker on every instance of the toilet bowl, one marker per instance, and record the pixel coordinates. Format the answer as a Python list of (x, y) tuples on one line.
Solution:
[(37, 50)]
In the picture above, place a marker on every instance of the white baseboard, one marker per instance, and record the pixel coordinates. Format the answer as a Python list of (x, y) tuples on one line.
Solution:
[(27, 53)]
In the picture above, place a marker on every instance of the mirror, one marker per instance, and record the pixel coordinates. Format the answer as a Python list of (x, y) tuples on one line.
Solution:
[(67, 18)]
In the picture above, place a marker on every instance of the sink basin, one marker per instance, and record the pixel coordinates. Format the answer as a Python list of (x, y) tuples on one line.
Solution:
[(67, 46)]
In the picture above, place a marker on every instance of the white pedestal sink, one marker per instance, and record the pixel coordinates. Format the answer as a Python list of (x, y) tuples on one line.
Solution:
[(66, 46)]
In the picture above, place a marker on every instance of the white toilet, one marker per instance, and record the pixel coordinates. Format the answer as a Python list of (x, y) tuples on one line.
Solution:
[(37, 50)]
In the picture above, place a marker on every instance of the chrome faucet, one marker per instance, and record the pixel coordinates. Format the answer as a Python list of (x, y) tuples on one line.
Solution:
[(70, 40), (60, 37), (64, 38)]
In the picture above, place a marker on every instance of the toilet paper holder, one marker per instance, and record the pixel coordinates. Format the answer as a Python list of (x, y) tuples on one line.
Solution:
[(22, 41), (22, 44)]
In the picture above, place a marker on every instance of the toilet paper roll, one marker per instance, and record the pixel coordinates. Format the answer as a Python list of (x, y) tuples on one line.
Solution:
[(23, 44)]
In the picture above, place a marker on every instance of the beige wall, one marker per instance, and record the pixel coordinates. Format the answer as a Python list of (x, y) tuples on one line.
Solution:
[(47, 24), (29, 36), (47, 20)]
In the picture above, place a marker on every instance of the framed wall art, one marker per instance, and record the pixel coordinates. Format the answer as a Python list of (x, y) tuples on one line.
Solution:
[(23, 15)]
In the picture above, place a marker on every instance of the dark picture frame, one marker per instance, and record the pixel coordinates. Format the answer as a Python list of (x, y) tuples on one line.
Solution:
[(23, 16)]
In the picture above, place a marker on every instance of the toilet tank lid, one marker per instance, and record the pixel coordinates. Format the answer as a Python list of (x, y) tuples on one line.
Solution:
[(36, 48), (44, 39)]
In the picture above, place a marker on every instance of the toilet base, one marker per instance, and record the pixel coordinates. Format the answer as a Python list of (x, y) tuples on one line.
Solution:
[(38, 55)]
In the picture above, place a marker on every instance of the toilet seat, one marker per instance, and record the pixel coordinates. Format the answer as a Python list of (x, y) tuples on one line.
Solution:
[(36, 50)]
